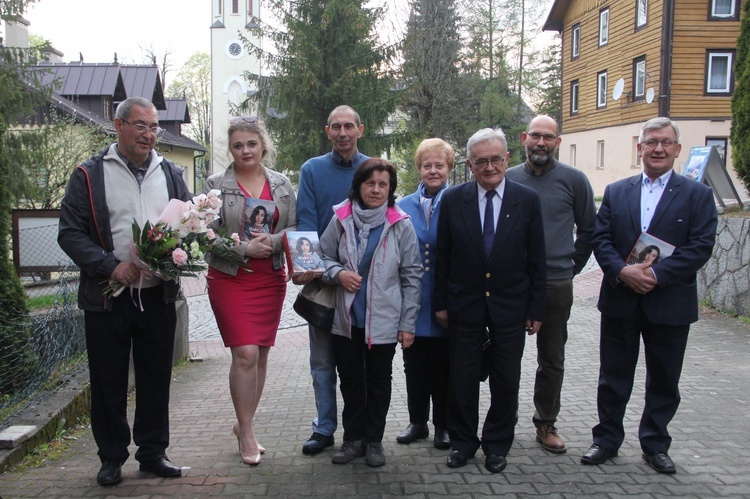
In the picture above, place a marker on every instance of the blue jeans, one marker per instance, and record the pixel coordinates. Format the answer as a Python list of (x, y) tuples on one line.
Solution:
[(323, 371)]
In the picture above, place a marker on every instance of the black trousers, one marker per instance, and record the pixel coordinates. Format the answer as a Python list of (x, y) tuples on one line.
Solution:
[(665, 350), (505, 350), (365, 382), (109, 338), (426, 367)]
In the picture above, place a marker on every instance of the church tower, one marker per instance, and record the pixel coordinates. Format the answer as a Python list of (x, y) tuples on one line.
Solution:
[(229, 59)]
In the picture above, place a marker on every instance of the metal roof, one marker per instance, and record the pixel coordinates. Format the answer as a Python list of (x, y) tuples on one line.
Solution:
[(82, 114), (83, 79), (70, 80), (171, 139), (143, 81), (177, 110)]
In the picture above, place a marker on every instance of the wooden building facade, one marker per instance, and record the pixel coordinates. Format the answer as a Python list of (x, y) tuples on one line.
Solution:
[(627, 61)]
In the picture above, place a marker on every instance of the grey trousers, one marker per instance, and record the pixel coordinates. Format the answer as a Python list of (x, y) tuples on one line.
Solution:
[(550, 344)]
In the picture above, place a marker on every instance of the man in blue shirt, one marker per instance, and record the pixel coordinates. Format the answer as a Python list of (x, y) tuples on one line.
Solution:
[(324, 182)]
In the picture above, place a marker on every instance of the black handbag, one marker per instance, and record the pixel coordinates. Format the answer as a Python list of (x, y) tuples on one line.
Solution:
[(316, 304)]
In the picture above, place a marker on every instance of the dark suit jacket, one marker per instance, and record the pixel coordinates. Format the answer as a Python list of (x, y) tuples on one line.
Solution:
[(685, 217), (511, 282)]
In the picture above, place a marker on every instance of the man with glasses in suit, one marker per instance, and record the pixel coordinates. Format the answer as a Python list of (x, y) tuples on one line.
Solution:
[(490, 282), (653, 301)]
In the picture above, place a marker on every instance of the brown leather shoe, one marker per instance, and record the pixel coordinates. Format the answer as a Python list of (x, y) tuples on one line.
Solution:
[(547, 435)]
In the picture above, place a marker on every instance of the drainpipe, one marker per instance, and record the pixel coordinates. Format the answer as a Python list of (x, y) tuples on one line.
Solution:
[(667, 36)]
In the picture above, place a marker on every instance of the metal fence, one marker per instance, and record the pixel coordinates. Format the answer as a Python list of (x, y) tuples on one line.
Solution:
[(39, 350)]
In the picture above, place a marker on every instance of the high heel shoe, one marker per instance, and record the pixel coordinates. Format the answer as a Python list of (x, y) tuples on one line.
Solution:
[(251, 459), (236, 432)]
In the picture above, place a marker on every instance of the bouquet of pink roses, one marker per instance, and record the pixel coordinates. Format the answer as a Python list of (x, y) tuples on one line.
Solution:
[(176, 245)]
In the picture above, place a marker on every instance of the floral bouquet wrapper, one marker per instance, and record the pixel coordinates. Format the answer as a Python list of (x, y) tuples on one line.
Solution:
[(175, 246)]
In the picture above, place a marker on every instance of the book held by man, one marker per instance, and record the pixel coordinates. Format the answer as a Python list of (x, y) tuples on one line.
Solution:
[(302, 249), (649, 249)]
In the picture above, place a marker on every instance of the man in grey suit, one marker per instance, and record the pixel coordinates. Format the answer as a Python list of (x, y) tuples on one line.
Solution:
[(654, 301)]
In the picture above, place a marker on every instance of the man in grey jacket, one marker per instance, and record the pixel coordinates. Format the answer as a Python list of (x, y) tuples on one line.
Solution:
[(125, 182), (567, 203)]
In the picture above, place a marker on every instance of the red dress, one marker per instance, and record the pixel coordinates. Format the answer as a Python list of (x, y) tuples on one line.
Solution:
[(248, 306)]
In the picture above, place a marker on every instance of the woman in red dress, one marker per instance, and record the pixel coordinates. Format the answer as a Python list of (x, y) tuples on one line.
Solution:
[(247, 301)]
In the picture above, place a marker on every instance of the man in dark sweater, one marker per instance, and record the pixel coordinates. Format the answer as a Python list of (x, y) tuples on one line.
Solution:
[(567, 202), (325, 181)]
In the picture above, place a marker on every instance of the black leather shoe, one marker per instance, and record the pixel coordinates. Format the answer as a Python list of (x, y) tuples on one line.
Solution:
[(413, 432), (661, 462), (495, 463), (442, 439), (457, 459), (597, 455), (317, 443), (161, 466), (110, 473)]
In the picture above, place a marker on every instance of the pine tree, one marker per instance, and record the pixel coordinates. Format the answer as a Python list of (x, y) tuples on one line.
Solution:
[(430, 70), (741, 103), (550, 83), (326, 54), (16, 101)]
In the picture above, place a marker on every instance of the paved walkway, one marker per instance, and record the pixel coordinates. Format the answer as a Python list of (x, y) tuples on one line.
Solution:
[(711, 456)]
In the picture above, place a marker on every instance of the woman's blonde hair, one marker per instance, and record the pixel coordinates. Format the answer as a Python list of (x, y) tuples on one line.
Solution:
[(253, 124), (435, 145)]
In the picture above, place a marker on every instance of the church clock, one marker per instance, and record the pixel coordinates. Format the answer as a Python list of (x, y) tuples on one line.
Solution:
[(234, 49)]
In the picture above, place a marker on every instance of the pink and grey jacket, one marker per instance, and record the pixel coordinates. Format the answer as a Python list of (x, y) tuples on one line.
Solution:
[(393, 286)]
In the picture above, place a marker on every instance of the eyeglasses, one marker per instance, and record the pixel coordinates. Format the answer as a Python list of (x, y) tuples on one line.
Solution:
[(548, 137), (253, 118), (483, 162), (141, 128), (665, 143)]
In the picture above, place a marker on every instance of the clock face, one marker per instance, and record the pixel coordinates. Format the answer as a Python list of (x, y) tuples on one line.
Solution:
[(234, 50)]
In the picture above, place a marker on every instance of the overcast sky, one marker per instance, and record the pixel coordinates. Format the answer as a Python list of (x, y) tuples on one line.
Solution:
[(99, 28)]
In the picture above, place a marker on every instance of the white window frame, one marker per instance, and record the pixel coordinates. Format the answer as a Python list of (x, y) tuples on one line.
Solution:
[(575, 48), (235, 7), (601, 90), (600, 155), (641, 13), (731, 15), (636, 158), (573, 155), (727, 88), (217, 7), (639, 78), (575, 96), (603, 27)]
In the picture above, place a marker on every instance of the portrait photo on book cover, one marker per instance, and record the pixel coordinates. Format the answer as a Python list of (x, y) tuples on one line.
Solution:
[(649, 249), (303, 252), (257, 217), (696, 167)]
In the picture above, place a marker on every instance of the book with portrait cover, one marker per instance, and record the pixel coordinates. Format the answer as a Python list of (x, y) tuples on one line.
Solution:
[(257, 217), (649, 248), (302, 249)]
